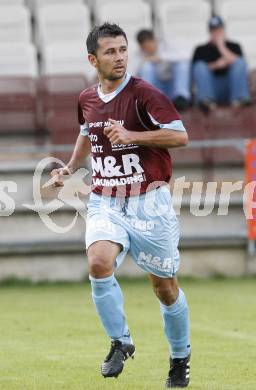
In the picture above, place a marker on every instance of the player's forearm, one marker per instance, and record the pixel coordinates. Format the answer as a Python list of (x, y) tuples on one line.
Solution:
[(160, 138), (81, 150)]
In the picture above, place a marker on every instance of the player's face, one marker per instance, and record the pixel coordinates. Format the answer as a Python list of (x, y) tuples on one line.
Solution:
[(111, 57)]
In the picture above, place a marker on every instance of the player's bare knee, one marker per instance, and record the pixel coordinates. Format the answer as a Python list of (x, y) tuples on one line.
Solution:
[(98, 267), (166, 294)]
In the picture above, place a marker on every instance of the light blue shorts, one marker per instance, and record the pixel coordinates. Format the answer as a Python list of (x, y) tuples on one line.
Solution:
[(146, 226)]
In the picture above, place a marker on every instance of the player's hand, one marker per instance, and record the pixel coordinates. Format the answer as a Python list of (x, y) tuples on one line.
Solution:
[(117, 134), (57, 175)]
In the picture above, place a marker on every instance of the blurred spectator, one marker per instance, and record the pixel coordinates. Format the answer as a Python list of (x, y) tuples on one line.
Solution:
[(219, 70), (156, 65)]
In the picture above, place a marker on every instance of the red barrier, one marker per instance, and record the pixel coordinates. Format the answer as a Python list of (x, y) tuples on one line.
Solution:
[(250, 177)]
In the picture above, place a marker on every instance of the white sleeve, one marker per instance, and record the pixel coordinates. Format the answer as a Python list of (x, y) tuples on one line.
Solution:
[(174, 125), (84, 130)]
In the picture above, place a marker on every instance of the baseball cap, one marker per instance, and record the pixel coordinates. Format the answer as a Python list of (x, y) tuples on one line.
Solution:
[(215, 22)]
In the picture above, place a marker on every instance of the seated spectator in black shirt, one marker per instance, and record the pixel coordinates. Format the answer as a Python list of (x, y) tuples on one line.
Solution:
[(219, 70)]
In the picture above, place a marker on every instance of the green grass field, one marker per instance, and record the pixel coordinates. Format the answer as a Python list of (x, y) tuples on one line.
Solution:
[(50, 337)]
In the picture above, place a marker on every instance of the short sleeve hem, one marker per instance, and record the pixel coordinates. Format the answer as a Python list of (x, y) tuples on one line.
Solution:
[(84, 130)]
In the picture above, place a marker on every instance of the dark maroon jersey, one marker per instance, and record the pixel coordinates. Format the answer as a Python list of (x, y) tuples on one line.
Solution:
[(126, 169)]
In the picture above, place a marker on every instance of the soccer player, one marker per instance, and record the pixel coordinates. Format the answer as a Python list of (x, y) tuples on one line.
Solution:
[(127, 126)]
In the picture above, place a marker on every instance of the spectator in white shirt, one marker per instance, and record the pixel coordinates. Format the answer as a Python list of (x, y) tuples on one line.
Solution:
[(158, 66)]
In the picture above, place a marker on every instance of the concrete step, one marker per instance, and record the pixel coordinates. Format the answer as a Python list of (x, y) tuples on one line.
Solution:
[(47, 225), (20, 149), (41, 261), (216, 173), (29, 181), (26, 224), (210, 244), (213, 244), (41, 246), (191, 179), (214, 224)]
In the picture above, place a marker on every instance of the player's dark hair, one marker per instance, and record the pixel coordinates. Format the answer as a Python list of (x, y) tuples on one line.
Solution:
[(145, 35), (102, 31)]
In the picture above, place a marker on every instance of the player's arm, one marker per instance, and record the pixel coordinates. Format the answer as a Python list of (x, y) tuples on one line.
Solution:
[(81, 150), (167, 128), (162, 138)]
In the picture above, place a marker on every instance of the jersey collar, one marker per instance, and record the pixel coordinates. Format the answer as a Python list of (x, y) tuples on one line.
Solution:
[(107, 97)]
